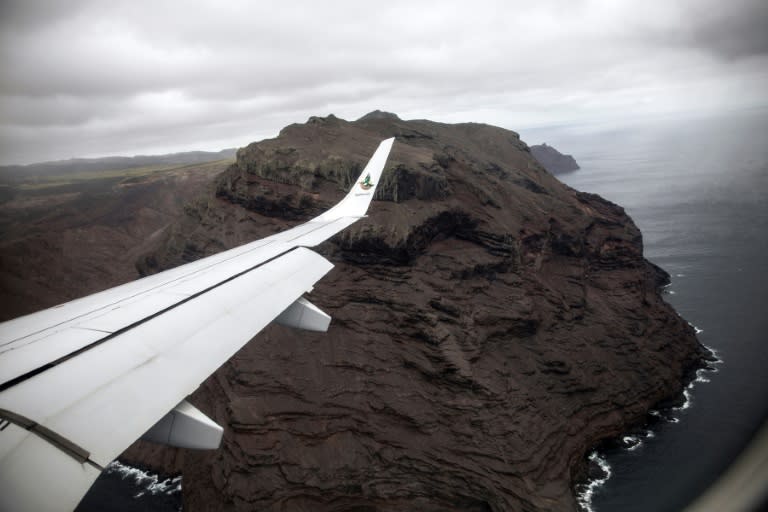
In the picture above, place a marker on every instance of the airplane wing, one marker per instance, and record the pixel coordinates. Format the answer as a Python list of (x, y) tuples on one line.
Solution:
[(82, 381)]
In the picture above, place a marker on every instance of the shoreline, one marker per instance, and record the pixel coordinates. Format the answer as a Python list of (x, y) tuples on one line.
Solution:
[(598, 469)]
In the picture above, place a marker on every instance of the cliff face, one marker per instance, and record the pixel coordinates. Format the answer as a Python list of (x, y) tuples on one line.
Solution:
[(553, 160), (490, 325)]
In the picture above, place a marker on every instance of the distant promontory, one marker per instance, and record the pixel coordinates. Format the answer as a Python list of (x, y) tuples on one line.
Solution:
[(553, 161)]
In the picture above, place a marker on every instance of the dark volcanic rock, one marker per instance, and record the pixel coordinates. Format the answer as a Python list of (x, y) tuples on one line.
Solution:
[(490, 326), (552, 160)]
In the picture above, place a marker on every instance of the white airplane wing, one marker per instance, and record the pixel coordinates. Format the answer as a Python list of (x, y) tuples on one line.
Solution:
[(81, 381)]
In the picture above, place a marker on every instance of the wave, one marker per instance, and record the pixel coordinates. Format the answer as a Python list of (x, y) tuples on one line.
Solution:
[(699, 378), (147, 481), (587, 491)]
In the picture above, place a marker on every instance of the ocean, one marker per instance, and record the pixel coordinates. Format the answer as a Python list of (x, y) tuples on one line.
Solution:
[(698, 190), (123, 488)]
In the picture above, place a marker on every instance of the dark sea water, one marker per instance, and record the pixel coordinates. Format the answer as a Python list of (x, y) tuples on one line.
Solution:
[(122, 488), (698, 190)]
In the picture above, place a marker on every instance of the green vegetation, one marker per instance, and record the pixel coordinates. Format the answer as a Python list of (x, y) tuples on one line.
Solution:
[(130, 175)]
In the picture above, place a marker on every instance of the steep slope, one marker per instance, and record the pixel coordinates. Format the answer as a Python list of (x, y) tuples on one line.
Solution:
[(490, 325)]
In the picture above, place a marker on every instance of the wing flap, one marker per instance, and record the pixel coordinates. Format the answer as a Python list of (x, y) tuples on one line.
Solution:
[(26, 485)]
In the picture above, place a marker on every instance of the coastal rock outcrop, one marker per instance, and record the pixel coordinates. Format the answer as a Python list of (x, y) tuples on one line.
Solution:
[(490, 326), (553, 160)]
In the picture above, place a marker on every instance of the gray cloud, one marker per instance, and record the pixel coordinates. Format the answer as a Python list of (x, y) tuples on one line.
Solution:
[(732, 30), (27, 15), (85, 77)]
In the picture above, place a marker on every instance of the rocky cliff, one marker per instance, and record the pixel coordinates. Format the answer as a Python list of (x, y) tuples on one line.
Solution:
[(490, 326), (553, 160)]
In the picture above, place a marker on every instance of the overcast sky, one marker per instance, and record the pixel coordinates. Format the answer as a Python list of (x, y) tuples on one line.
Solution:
[(95, 78)]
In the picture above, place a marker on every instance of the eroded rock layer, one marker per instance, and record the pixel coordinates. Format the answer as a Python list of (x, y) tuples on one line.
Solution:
[(490, 325)]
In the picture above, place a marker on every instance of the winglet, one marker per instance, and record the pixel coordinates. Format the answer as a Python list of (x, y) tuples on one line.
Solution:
[(356, 202)]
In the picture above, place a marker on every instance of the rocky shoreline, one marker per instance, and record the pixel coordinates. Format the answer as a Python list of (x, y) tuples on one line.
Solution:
[(598, 470), (490, 327)]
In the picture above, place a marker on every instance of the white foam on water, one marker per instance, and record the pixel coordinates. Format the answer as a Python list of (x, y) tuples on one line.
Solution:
[(584, 497), (150, 482), (700, 377), (632, 443), (712, 367), (716, 355), (686, 399), (697, 329)]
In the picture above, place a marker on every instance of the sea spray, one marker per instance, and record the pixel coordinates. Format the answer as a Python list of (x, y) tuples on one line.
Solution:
[(146, 481), (600, 472)]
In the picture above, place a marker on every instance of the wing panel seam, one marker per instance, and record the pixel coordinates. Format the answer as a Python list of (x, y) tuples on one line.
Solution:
[(129, 297), (47, 366), (72, 449)]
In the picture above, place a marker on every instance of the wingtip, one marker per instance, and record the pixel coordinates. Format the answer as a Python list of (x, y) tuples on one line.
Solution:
[(384, 146), (375, 167), (359, 197)]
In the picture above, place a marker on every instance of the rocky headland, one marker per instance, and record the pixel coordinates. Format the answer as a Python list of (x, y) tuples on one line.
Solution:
[(490, 327), (553, 160)]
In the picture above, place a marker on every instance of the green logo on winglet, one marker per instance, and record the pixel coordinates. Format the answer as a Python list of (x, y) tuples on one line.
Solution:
[(366, 183)]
